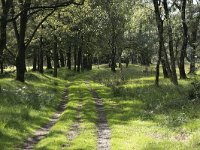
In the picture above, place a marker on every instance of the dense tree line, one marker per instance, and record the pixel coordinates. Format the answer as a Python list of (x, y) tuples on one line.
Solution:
[(76, 34)]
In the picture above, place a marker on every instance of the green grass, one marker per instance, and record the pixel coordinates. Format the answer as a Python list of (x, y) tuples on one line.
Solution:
[(87, 138), (144, 117), (141, 116), (25, 107), (57, 138)]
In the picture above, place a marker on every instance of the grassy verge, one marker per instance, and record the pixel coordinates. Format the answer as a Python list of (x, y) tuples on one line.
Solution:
[(144, 117), (25, 107), (140, 115), (57, 137)]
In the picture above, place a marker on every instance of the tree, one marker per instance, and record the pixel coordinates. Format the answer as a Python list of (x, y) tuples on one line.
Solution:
[(170, 42), (194, 16), (26, 10), (5, 6)]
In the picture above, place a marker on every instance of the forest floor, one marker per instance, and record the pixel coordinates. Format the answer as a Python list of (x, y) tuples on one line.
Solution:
[(98, 110)]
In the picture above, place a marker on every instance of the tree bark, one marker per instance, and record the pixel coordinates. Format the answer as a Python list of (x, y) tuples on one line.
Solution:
[(41, 63), (165, 72), (159, 23), (69, 57), (113, 48), (6, 5), (170, 38), (79, 59), (48, 58), (62, 60), (55, 54), (75, 56), (193, 42), (185, 41), (20, 36), (35, 60)]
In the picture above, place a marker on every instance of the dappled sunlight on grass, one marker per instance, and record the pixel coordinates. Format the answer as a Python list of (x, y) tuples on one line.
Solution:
[(26, 107), (141, 116)]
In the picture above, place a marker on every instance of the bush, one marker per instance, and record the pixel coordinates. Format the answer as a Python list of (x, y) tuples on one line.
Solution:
[(194, 94)]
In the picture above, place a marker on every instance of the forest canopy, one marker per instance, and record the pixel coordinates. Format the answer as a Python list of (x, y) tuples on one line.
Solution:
[(81, 33)]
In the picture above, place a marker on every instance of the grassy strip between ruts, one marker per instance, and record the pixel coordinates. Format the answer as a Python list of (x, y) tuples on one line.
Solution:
[(87, 138), (26, 107), (57, 138)]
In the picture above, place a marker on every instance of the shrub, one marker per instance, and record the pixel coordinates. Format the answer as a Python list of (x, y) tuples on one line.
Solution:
[(194, 94)]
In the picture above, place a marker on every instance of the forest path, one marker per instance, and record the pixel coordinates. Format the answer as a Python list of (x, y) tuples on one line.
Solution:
[(103, 130), (75, 128), (42, 132)]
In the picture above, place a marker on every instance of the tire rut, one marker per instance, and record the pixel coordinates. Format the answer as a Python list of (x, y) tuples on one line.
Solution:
[(42, 132), (103, 130)]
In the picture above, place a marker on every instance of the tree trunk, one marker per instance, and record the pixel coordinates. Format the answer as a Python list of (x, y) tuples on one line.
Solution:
[(79, 59), (55, 54), (69, 57), (193, 41), (3, 35), (113, 59), (62, 60), (165, 72), (58, 64), (185, 41), (48, 58), (170, 38), (98, 63), (35, 60), (41, 69), (75, 56), (6, 5), (20, 60), (159, 23), (90, 61), (192, 61)]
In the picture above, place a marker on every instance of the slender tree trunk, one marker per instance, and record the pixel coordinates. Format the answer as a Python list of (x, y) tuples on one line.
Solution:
[(159, 23), (48, 58), (90, 61), (113, 55), (62, 60), (170, 38), (55, 54), (98, 63), (79, 59), (6, 5), (3, 35), (185, 41), (165, 72), (41, 69), (75, 56), (58, 64), (193, 42), (113, 60), (69, 57), (192, 61), (35, 60)]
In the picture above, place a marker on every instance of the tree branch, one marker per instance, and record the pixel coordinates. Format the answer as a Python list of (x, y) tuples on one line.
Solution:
[(34, 32), (65, 4)]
